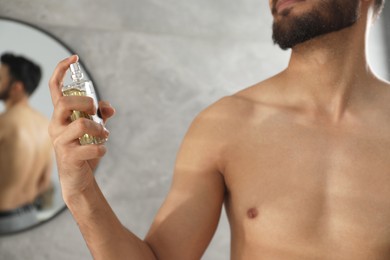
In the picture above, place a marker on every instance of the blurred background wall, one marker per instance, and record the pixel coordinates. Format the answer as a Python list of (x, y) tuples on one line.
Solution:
[(159, 63)]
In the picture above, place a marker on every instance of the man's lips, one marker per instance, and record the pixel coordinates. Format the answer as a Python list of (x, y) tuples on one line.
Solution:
[(281, 4)]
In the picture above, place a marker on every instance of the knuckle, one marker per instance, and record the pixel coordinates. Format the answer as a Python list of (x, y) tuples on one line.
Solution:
[(96, 150), (56, 143), (83, 124), (62, 65), (51, 130), (90, 103), (100, 150), (52, 82), (62, 103)]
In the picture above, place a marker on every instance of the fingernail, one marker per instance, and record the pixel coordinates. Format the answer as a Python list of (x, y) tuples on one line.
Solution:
[(72, 57), (106, 132)]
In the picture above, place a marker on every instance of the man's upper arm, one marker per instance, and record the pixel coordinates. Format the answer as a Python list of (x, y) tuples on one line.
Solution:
[(188, 218), (5, 150)]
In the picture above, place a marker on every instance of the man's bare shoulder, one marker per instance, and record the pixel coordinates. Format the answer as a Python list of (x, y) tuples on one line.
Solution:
[(21, 121), (230, 114), (245, 102), (384, 86), (26, 115), (7, 125)]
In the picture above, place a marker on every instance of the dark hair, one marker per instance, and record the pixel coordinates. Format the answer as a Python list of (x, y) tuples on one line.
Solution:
[(24, 70), (378, 6)]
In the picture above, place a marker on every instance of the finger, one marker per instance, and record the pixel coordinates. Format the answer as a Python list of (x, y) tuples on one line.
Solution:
[(63, 111), (106, 110), (67, 104), (57, 77), (85, 153), (80, 127)]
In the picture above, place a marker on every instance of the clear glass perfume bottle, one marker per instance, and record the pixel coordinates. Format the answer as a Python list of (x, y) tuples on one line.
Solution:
[(83, 87)]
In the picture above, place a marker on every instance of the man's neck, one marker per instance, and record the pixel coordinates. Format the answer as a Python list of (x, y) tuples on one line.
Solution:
[(9, 104), (327, 74)]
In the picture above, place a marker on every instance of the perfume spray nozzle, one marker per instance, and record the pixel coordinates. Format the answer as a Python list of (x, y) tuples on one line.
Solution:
[(76, 71)]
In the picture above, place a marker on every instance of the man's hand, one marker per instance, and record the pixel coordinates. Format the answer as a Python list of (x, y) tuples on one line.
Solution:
[(75, 162)]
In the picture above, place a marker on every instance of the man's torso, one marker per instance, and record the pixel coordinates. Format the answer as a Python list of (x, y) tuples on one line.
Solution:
[(299, 187), (25, 154)]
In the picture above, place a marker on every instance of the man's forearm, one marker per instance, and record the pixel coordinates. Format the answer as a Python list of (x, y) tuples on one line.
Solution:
[(105, 235)]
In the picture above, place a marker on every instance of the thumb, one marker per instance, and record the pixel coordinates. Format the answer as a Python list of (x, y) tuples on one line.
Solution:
[(105, 110)]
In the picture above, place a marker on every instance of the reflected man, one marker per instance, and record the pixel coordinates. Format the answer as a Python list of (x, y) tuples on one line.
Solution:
[(25, 147)]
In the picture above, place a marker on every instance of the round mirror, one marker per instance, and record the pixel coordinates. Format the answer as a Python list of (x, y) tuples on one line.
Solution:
[(22, 204)]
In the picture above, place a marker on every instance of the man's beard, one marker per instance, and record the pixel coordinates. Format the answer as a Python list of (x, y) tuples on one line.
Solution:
[(329, 16), (6, 92)]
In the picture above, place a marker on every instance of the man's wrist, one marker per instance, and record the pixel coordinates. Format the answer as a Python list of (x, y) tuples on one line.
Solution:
[(83, 199)]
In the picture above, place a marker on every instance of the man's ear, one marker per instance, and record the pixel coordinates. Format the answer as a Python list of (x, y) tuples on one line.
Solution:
[(18, 87), (369, 7), (368, 3)]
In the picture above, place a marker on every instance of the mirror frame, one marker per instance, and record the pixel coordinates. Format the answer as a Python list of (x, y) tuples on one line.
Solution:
[(89, 76)]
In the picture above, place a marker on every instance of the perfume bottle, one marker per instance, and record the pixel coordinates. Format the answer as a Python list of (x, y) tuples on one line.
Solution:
[(82, 87)]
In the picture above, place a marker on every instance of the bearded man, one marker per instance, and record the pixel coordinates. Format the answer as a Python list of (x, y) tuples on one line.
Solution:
[(301, 160)]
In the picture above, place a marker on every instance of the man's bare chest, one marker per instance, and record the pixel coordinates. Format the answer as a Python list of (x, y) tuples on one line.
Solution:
[(311, 183)]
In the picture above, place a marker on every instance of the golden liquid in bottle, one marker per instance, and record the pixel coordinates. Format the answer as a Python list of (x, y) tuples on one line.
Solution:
[(86, 138)]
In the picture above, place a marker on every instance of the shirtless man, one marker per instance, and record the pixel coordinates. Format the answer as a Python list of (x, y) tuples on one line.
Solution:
[(301, 160), (25, 146)]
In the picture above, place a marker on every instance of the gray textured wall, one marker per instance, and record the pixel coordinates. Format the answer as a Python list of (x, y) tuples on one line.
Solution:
[(159, 63)]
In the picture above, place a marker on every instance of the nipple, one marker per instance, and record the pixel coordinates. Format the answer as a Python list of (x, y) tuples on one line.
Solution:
[(252, 213)]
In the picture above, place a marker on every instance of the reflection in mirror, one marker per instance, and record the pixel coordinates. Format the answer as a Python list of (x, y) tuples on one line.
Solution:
[(25, 147), (29, 187)]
